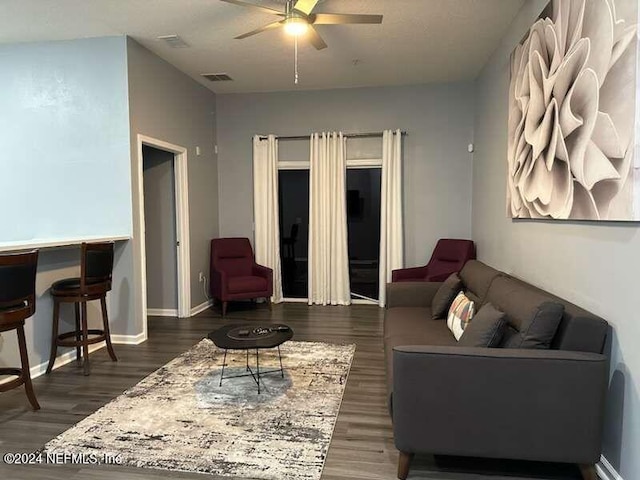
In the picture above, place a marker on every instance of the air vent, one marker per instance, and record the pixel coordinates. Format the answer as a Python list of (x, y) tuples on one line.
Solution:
[(174, 41), (217, 77)]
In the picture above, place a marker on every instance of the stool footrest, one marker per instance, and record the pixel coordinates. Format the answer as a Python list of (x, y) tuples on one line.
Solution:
[(16, 382), (62, 341)]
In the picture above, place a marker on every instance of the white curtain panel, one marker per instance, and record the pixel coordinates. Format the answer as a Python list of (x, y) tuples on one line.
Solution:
[(265, 208), (391, 235), (328, 251)]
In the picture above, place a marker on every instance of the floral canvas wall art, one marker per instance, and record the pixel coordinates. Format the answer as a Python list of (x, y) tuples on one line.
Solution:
[(572, 114)]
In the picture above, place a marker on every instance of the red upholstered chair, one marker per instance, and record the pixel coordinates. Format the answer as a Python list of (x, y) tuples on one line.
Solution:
[(448, 257), (234, 273)]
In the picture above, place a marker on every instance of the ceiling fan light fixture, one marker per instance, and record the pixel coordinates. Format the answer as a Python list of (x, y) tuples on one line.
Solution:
[(296, 26)]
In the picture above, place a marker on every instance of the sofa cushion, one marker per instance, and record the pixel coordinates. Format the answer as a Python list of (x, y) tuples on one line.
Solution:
[(445, 295), (533, 316), (460, 314), (476, 278), (487, 328), (246, 284)]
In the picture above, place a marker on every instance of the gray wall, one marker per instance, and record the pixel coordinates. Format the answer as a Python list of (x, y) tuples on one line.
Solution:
[(72, 60), (591, 264), (437, 167), (160, 229), (168, 105)]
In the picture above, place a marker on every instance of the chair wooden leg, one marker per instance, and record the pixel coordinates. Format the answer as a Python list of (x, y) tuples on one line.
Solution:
[(588, 472), (224, 309), (85, 337), (78, 332), (107, 333), (54, 336), (404, 462), (26, 373)]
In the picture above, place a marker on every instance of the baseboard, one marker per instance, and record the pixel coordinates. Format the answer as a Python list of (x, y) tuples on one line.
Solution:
[(606, 471), (162, 312), (201, 308), (70, 356), (129, 339)]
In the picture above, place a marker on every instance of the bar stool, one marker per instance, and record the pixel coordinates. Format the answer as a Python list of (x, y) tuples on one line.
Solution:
[(17, 303), (95, 281)]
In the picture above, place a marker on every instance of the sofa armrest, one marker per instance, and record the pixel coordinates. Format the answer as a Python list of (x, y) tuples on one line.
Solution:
[(267, 274), (218, 288), (414, 273), (502, 403), (261, 271), (411, 294)]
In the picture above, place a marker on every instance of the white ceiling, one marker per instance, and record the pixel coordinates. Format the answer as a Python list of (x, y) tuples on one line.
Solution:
[(419, 41)]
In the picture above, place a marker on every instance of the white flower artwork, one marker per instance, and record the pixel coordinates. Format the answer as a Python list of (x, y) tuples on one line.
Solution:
[(572, 114)]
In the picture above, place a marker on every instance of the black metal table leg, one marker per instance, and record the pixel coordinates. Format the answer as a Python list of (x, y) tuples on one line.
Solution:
[(223, 362), (247, 360), (280, 358), (258, 370)]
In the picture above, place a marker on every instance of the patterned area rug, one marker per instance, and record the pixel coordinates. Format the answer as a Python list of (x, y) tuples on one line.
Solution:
[(179, 418)]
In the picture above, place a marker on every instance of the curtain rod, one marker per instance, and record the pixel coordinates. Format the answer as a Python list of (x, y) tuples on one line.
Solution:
[(348, 135)]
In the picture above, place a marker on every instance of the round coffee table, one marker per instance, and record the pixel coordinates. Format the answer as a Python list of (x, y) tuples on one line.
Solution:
[(249, 337)]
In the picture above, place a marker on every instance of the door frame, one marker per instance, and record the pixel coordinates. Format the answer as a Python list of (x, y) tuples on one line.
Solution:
[(181, 187)]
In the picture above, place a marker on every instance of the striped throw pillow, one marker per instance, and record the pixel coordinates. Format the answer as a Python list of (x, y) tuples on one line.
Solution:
[(460, 314)]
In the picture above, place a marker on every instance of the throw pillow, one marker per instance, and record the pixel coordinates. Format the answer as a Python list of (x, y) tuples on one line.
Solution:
[(487, 328), (445, 295), (460, 314), (539, 331)]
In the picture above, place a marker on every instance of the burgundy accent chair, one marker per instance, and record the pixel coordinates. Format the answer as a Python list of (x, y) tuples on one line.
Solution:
[(234, 273), (448, 257)]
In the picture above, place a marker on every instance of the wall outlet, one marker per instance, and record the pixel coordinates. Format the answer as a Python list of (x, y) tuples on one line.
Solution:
[(201, 277)]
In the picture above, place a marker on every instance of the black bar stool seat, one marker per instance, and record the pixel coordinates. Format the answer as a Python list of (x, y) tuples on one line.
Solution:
[(17, 303), (93, 284)]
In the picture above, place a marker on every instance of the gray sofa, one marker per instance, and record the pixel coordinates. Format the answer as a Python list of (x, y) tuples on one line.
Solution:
[(528, 404)]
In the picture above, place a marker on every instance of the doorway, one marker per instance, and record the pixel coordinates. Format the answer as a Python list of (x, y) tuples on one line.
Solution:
[(160, 231), (181, 240)]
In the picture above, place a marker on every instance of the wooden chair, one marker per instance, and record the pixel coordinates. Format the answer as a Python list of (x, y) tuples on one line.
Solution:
[(17, 303), (95, 281)]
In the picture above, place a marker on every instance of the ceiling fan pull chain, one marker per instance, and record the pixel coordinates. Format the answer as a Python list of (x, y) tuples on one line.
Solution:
[(295, 47)]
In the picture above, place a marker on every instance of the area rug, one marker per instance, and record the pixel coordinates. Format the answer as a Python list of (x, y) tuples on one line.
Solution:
[(179, 418)]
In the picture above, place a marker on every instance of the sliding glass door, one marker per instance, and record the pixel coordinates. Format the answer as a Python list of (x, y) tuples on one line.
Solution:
[(363, 226), (294, 231), (363, 185)]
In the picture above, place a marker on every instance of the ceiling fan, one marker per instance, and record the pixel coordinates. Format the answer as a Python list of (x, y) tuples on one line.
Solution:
[(298, 19)]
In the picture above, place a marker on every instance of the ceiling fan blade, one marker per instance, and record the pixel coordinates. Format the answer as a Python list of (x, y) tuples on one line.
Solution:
[(269, 26), (305, 6), (315, 38), (251, 5), (342, 18)]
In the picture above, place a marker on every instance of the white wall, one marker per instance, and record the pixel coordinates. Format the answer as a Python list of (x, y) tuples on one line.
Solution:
[(591, 264), (437, 166)]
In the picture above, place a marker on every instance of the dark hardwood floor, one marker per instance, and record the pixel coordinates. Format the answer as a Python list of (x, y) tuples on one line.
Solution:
[(362, 445)]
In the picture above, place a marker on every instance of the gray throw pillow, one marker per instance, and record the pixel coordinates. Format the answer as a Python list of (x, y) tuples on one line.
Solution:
[(540, 329), (485, 329), (444, 296)]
